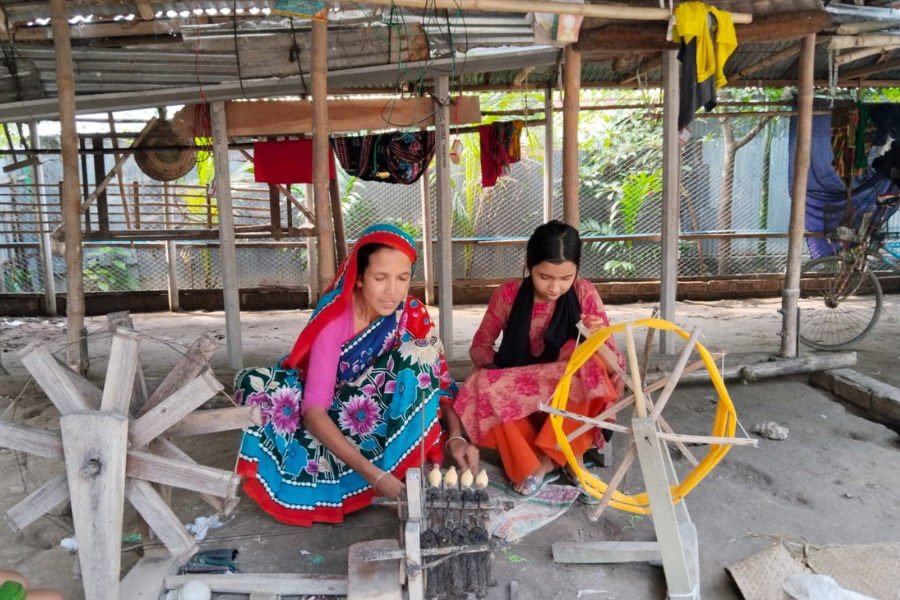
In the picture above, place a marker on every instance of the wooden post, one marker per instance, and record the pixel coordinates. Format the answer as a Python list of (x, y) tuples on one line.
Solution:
[(137, 204), (70, 202), (117, 157), (670, 197), (102, 200), (44, 235), (791, 293), (321, 149), (95, 445), (275, 211), (572, 75), (337, 212), (312, 256), (171, 253), (427, 237), (444, 212), (227, 250), (548, 155)]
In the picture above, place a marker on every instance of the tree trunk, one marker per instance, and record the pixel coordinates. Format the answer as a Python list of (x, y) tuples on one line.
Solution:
[(726, 193)]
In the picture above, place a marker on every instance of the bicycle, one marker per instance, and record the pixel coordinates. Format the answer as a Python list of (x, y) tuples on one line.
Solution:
[(841, 295)]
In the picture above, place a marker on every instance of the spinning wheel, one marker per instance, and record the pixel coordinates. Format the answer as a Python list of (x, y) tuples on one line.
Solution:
[(647, 437), (116, 444)]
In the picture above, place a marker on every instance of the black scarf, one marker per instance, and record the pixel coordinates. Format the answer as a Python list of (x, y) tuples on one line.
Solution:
[(515, 348)]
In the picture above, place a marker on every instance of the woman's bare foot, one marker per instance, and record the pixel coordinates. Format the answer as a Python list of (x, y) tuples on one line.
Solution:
[(545, 467)]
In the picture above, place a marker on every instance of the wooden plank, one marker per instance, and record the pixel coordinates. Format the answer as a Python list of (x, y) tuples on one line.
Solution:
[(378, 581), (91, 393), (124, 356), (182, 475), (640, 406), (150, 505), (273, 117), (166, 448), (605, 552), (38, 503), (284, 584), (415, 580), (95, 445), (188, 367), (146, 580), (114, 321), (214, 421), (32, 440), (173, 408), (665, 523), (52, 378)]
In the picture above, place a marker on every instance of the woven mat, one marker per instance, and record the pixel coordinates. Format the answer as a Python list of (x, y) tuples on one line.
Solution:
[(759, 577), (870, 569)]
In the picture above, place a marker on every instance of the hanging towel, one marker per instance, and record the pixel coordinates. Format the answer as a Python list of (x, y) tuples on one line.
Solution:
[(499, 148), (286, 162)]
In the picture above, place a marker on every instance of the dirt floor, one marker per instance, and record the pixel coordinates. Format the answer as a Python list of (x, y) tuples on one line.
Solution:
[(834, 480)]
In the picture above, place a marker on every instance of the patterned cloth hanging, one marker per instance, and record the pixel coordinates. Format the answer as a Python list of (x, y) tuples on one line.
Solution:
[(386, 157)]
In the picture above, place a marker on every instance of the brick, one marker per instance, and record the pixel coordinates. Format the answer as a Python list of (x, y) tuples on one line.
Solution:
[(374, 580)]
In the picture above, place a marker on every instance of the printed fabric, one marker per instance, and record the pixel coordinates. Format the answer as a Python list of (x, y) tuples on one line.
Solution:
[(386, 157), (500, 147)]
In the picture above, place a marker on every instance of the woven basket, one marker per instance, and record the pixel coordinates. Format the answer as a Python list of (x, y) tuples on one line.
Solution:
[(164, 163)]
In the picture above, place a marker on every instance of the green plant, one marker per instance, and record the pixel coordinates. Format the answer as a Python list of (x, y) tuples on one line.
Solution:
[(106, 268), (16, 279)]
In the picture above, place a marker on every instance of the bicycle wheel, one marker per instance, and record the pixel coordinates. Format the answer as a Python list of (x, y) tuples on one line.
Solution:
[(837, 305)]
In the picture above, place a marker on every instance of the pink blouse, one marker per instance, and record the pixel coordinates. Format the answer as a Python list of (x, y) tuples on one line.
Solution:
[(497, 316), (324, 356)]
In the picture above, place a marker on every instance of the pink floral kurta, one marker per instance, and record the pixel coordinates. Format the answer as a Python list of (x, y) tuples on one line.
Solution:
[(493, 396)]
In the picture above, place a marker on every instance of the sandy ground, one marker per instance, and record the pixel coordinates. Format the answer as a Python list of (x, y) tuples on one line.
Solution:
[(834, 480)]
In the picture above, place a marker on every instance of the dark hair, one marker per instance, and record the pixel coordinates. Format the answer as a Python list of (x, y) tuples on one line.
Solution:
[(363, 256), (554, 242)]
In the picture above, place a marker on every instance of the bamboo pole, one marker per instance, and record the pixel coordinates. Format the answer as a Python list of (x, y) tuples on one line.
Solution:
[(312, 256), (841, 42), (44, 236), (337, 212), (324, 220), (640, 407), (427, 236), (227, 250), (785, 54), (71, 207), (855, 55), (612, 12), (444, 212), (670, 199), (571, 103), (548, 155), (791, 293)]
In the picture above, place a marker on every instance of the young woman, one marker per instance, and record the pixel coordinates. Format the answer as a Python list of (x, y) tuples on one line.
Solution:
[(537, 316), (348, 411)]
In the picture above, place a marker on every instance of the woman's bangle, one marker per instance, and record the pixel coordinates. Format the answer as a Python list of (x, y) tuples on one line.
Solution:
[(375, 483), (455, 437)]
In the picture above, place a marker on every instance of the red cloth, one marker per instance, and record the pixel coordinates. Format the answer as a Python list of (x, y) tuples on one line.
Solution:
[(286, 161)]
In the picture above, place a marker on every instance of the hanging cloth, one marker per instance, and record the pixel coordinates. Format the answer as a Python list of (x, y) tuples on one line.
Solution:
[(286, 162), (702, 58), (386, 157), (500, 147)]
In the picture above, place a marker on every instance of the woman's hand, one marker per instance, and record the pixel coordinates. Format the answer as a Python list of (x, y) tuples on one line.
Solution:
[(464, 454), (385, 484), (592, 322)]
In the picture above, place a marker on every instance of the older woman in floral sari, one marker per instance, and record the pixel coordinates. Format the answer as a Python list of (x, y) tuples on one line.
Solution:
[(358, 401)]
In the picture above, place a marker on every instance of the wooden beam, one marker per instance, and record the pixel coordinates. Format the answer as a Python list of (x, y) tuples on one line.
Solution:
[(213, 421), (427, 236), (164, 523), (605, 552), (321, 153), (337, 213), (549, 176), (791, 292), (146, 580), (173, 409), (602, 11), (52, 378), (95, 445), (103, 30), (643, 37), (671, 198), (182, 475), (166, 448), (291, 117), (124, 356), (70, 205), (571, 161), (227, 251), (31, 440), (444, 213), (145, 10), (789, 52), (855, 55), (38, 503), (842, 42), (281, 584), (865, 27), (91, 394), (186, 369), (861, 72)]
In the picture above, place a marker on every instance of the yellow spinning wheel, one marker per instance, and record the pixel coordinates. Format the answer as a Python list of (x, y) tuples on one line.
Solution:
[(720, 440)]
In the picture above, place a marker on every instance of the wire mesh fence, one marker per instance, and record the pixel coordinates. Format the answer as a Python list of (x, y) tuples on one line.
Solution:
[(734, 207)]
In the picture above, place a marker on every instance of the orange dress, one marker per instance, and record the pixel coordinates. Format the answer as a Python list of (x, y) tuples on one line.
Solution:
[(499, 407)]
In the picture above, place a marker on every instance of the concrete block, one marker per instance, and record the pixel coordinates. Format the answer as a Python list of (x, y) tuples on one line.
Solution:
[(822, 379), (886, 405), (264, 596), (374, 580)]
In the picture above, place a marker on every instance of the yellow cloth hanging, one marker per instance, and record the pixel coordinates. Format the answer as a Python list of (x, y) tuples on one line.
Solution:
[(692, 21)]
